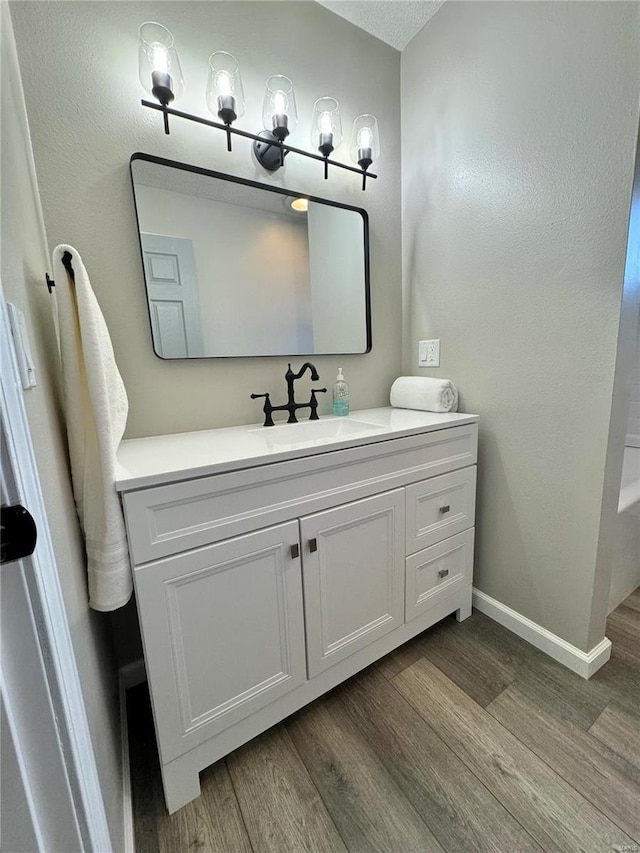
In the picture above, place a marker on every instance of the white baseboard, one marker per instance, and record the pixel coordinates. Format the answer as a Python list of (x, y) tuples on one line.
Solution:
[(130, 675), (583, 663)]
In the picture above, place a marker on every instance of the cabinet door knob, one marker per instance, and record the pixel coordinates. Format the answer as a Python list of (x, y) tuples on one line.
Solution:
[(295, 551), (443, 573), (313, 544), (444, 509)]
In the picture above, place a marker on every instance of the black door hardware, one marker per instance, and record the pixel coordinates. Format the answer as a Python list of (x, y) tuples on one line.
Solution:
[(18, 533)]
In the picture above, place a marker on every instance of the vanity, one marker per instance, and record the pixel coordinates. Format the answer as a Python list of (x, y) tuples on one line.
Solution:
[(271, 564)]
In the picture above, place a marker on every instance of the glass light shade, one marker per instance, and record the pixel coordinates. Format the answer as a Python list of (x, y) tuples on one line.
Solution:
[(326, 125), (225, 95), (158, 63), (279, 112), (365, 141)]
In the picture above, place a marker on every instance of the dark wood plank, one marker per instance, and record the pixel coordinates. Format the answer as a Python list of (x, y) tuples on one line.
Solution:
[(589, 766), (623, 629), (369, 809), (281, 807), (621, 682), (633, 600), (460, 811), (401, 658), (559, 818), (483, 658), (482, 670), (619, 728), (469, 655), (212, 822)]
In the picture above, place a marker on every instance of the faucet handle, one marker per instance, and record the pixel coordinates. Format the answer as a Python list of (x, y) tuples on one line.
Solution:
[(267, 408), (313, 403)]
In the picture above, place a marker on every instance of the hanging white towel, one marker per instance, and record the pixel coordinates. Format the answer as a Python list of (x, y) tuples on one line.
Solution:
[(96, 408), (424, 393)]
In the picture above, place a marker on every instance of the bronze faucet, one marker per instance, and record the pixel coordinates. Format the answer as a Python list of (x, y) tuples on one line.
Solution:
[(291, 406)]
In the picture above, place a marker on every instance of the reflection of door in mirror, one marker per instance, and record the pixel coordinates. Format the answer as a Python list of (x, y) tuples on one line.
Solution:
[(172, 285)]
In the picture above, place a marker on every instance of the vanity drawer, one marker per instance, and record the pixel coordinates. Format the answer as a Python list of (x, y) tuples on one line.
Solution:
[(437, 572), (439, 508), (169, 519)]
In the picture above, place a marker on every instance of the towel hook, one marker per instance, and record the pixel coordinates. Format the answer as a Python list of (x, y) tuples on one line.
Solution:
[(66, 261)]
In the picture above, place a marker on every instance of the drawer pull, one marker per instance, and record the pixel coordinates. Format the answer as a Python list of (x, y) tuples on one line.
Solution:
[(295, 551), (444, 509), (313, 545), (443, 573)]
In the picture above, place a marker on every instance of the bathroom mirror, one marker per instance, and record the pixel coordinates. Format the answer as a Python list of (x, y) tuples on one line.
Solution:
[(232, 268)]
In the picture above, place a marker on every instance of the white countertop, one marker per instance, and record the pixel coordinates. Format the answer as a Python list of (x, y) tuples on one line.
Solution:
[(160, 459)]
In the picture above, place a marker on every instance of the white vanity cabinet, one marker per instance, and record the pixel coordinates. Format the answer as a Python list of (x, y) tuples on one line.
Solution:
[(261, 586)]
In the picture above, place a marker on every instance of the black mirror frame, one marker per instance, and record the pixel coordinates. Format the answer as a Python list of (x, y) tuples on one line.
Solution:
[(186, 167)]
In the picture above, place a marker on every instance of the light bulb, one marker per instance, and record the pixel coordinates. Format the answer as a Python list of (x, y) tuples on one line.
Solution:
[(365, 138), (325, 123), (279, 102), (223, 82), (159, 58)]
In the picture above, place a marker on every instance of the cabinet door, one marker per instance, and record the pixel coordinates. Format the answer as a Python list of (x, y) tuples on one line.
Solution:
[(223, 633), (353, 569)]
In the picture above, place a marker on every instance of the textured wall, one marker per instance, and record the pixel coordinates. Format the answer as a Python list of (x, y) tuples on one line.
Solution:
[(86, 122), (519, 126), (24, 261)]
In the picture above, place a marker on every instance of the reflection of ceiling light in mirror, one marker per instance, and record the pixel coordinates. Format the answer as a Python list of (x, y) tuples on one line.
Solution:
[(299, 205)]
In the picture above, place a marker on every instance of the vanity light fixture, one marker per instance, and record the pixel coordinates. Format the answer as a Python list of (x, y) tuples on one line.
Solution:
[(161, 76), (159, 65), (279, 118), (225, 95), (365, 143), (326, 128)]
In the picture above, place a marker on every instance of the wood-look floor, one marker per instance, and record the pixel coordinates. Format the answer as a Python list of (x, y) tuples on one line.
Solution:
[(465, 739)]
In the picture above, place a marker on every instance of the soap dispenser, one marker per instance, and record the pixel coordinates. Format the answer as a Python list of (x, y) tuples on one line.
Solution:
[(340, 395)]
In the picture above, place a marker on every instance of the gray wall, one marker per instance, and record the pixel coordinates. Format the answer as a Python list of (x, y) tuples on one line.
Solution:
[(24, 262), (87, 121), (518, 136)]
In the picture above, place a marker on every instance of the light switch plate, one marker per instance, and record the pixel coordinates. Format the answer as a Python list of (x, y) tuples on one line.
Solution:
[(429, 353)]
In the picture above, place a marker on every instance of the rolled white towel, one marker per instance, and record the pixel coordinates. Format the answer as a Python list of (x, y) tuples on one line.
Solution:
[(424, 393)]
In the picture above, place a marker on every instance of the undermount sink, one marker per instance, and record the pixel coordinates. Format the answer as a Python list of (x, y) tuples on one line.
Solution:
[(307, 433)]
